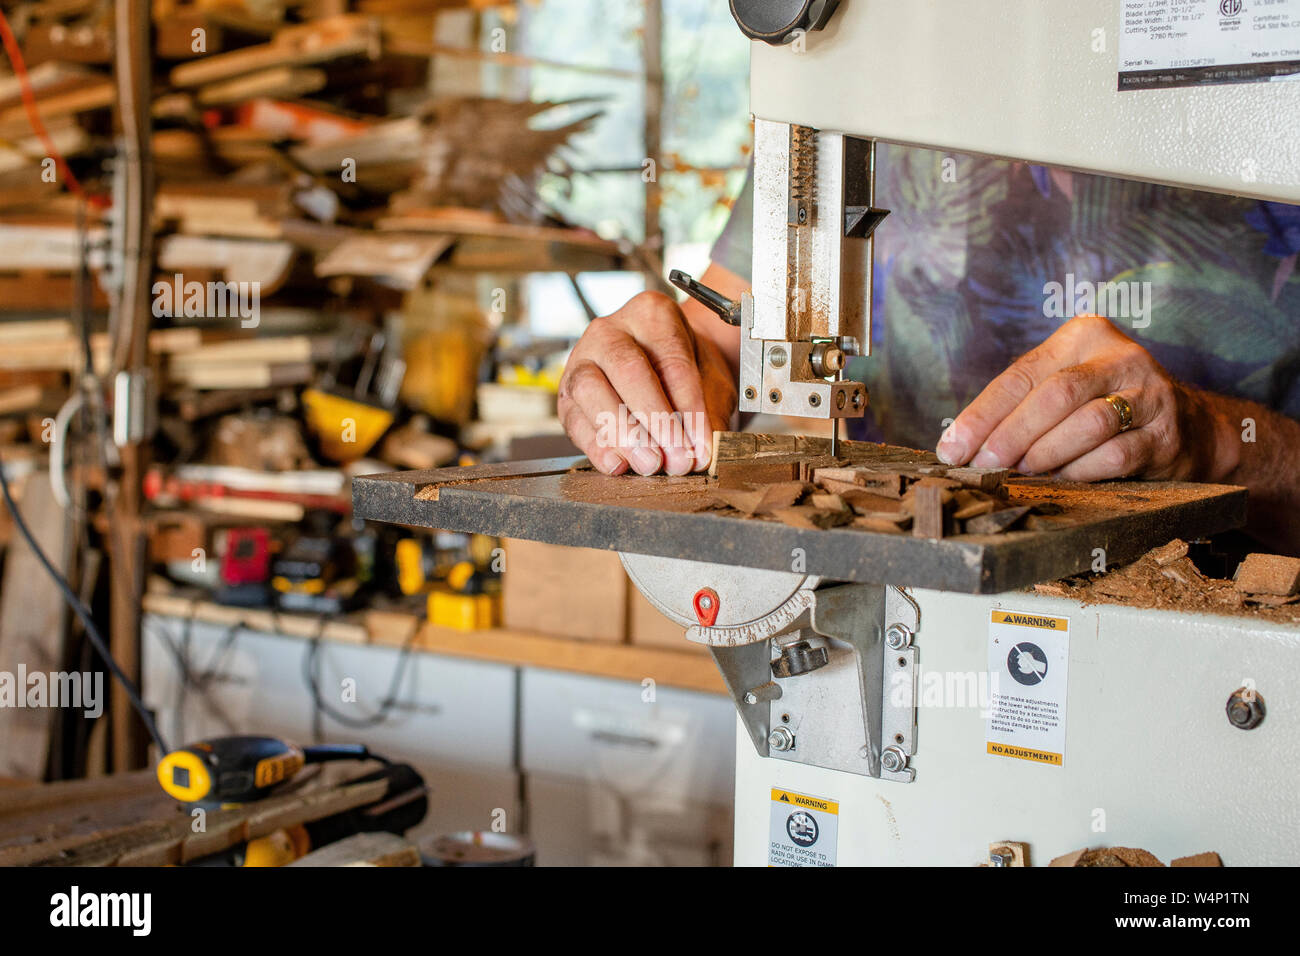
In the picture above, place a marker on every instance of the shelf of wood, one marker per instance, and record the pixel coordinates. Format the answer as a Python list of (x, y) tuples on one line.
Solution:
[(685, 669)]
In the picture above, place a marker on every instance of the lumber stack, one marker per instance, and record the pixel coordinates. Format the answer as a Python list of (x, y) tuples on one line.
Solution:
[(234, 130), (306, 192)]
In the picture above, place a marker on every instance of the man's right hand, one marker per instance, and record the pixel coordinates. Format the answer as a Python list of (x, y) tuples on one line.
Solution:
[(644, 389)]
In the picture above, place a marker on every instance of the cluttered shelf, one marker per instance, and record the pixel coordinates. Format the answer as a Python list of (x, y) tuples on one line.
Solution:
[(685, 668), (354, 222)]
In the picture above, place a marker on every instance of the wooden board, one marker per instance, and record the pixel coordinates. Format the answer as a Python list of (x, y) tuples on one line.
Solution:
[(364, 849), (127, 820), (667, 667), (31, 627), (564, 501), (682, 667), (328, 39)]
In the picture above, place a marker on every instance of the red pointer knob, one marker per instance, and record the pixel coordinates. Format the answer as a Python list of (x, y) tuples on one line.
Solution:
[(706, 606)]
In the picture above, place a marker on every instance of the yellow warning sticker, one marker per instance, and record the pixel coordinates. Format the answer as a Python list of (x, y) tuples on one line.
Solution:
[(808, 803), (1025, 753), (1021, 619), (803, 830), (1029, 663)]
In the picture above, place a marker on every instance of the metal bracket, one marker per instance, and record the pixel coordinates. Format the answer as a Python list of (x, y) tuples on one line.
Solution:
[(898, 714), (778, 378), (806, 717)]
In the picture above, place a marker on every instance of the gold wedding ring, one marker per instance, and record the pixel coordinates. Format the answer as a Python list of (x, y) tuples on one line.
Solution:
[(1123, 408)]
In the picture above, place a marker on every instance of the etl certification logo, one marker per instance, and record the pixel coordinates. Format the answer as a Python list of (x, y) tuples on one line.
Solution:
[(1230, 8)]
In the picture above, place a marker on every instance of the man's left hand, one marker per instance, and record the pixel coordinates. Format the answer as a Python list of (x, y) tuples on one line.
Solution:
[(1089, 403)]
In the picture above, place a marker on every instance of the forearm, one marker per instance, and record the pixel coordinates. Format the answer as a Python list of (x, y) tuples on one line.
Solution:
[(1258, 448)]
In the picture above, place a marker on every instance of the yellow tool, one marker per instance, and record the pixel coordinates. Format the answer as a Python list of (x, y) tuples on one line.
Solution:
[(228, 771), (467, 600), (348, 423), (346, 427)]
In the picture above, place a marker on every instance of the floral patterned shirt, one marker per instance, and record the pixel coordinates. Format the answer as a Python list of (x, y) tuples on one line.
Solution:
[(982, 259)]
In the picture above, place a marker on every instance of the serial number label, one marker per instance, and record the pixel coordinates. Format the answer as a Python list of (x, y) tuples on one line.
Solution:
[(1172, 43)]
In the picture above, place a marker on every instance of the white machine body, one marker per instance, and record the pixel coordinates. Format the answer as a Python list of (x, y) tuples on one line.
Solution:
[(1140, 750), (1150, 757)]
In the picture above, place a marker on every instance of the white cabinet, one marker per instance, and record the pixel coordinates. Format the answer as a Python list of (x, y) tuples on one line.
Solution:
[(614, 776)]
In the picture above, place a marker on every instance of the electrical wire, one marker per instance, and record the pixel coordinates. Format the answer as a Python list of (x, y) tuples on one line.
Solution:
[(190, 678), (312, 677), (83, 613)]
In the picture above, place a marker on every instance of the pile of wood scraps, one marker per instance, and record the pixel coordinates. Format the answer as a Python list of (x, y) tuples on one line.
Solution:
[(1123, 856), (795, 480), (1264, 585)]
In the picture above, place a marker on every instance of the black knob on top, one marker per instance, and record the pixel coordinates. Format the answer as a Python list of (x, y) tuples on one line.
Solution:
[(778, 21)]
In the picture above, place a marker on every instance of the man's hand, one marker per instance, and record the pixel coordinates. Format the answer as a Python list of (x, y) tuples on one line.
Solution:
[(1048, 414), (642, 388)]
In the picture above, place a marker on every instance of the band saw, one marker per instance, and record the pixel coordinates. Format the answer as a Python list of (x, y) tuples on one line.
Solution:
[(820, 635)]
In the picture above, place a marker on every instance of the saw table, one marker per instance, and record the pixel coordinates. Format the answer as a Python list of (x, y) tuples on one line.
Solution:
[(818, 635), (564, 501)]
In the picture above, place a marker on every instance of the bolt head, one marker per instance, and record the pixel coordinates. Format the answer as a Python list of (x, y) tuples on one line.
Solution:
[(893, 759), (780, 740), (898, 636), (1245, 709)]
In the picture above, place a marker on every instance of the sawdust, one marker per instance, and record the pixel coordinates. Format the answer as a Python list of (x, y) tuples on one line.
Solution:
[(1176, 585), (1109, 856)]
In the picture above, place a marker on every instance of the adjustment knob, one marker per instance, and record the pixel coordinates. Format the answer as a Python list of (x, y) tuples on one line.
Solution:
[(778, 21), (799, 658)]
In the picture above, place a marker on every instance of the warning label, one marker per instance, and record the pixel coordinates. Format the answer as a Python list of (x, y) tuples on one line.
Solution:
[(804, 830), (1170, 43), (1029, 657)]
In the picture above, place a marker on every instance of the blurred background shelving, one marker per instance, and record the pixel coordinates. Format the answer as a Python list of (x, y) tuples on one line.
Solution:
[(310, 240)]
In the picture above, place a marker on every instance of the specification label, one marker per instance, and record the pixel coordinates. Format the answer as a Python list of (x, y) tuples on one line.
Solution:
[(1029, 658), (804, 830), (1170, 43)]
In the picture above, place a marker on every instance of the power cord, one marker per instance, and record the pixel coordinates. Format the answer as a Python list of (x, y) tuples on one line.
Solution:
[(312, 677)]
